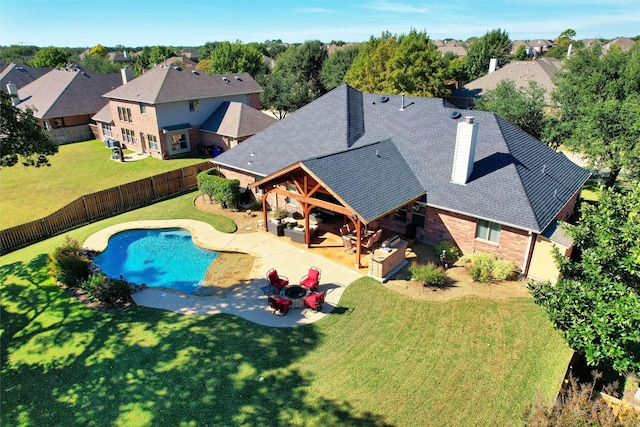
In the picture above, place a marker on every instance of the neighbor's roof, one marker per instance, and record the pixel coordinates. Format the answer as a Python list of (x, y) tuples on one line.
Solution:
[(104, 115), (516, 181), (521, 73), (70, 91), (169, 84), (19, 74), (236, 120)]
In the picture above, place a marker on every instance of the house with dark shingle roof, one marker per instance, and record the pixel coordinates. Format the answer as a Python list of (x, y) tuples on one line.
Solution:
[(64, 100), (417, 166), (19, 74), (169, 111)]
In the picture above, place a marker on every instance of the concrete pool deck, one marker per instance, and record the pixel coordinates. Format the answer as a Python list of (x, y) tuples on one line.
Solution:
[(249, 302)]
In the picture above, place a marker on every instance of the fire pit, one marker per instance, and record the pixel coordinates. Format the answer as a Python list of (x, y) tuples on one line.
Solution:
[(296, 294)]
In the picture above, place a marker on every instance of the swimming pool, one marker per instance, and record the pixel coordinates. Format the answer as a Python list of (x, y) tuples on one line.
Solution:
[(165, 258)]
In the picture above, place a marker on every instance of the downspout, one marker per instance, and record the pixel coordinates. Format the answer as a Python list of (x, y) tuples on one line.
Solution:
[(528, 253)]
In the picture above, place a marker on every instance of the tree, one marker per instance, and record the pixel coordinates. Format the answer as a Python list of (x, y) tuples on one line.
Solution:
[(596, 302), (21, 139), (521, 53), (158, 54), (98, 50), (523, 107), (598, 98), (236, 58), (336, 66), (295, 80), (563, 41), (409, 64), (99, 64), (16, 53), (494, 44), (50, 57)]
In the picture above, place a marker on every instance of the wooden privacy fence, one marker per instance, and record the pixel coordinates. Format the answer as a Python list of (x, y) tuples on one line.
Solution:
[(103, 204)]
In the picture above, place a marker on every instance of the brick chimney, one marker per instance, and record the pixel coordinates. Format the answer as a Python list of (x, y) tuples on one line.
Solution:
[(465, 151)]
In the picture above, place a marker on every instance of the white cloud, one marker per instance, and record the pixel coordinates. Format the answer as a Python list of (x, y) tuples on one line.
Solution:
[(396, 7)]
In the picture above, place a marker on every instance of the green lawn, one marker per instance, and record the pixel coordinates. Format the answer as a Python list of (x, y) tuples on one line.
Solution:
[(378, 359), (27, 194)]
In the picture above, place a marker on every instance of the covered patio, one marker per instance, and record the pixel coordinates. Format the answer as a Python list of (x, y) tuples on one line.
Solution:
[(325, 196)]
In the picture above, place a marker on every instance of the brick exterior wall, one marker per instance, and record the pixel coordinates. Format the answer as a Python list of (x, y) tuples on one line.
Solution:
[(146, 123), (569, 208)]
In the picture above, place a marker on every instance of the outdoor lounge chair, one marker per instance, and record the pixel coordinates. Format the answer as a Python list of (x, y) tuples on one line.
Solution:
[(312, 279), (275, 280), (372, 240), (349, 245), (315, 301), (280, 305)]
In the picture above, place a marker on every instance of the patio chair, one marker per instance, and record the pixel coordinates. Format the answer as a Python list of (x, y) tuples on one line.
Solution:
[(370, 241), (312, 279), (275, 280), (280, 305), (315, 301), (349, 245)]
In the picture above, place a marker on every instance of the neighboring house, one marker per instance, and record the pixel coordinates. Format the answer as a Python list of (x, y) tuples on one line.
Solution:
[(414, 165), (180, 61), (624, 43), (452, 46), (20, 75), (333, 48), (534, 48), (521, 73), (64, 100), (162, 111), (192, 54)]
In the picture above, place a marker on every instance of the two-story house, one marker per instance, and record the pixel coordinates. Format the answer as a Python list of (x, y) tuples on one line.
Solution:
[(169, 111)]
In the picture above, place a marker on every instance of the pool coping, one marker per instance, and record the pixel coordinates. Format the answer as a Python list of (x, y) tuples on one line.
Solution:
[(249, 303)]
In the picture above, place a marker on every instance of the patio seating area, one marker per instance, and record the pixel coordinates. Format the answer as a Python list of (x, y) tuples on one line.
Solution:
[(283, 296)]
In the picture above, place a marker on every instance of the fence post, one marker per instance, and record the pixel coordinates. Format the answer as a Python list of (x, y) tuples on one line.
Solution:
[(183, 184), (86, 209), (153, 187), (44, 225), (121, 197)]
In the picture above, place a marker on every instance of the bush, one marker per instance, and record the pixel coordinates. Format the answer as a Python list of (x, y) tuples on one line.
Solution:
[(67, 263), (485, 267), (105, 290), (224, 191), (429, 274), (452, 253), (504, 270), (279, 213)]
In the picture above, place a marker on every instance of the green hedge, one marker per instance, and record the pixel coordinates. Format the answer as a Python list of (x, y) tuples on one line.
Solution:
[(222, 190)]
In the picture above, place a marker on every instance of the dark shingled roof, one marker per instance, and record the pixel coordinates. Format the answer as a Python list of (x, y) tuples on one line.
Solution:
[(372, 179), (19, 74), (169, 84), (507, 185)]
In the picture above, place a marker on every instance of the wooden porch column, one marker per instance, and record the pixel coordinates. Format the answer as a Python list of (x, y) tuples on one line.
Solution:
[(359, 246)]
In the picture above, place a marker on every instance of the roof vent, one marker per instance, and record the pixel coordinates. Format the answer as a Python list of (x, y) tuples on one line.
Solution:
[(177, 68), (455, 115), (225, 79), (195, 72), (238, 78), (384, 99)]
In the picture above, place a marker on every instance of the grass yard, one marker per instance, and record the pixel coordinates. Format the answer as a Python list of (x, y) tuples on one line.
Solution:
[(379, 359), (27, 194)]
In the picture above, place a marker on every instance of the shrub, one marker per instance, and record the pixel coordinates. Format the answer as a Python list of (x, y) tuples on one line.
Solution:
[(504, 270), (452, 253), (279, 213), (224, 191), (67, 263), (485, 267), (105, 290), (429, 274)]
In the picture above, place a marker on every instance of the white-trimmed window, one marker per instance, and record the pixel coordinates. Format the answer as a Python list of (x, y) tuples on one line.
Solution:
[(153, 142), (128, 136), (486, 230), (291, 200), (124, 114), (106, 129), (143, 108), (179, 142), (194, 105)]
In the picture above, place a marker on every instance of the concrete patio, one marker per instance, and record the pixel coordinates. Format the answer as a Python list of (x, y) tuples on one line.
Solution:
[(249, 302)]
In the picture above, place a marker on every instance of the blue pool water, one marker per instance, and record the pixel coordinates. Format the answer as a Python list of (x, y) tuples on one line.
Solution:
[(165, 258)]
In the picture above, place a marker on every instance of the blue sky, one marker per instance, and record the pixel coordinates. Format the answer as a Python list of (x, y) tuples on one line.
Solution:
[(134, 23)]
